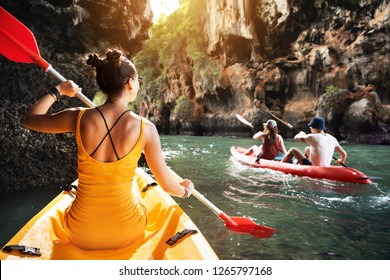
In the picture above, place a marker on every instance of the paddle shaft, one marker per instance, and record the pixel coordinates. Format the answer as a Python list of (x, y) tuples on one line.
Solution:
[(207, 202), (19, 44), (199, 196), (51, 71), (236, 224), (283, 122)]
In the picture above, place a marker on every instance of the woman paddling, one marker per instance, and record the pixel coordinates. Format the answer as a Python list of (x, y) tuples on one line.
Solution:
[(272, 142), (107, 212)]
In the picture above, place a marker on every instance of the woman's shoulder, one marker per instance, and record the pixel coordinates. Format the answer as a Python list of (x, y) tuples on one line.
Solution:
[(85, 113), (138, 117), (75, 111), (151, 135), (279, 139), (149, 127)]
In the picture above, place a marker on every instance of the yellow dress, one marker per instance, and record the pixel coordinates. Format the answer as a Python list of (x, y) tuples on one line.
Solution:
[(105, 213)]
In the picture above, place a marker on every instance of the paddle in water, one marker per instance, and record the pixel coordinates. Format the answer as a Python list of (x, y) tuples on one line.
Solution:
[(18, 44), (236, 224)]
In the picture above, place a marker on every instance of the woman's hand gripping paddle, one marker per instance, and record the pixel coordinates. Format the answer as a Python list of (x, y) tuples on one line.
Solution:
[(236, 224), (17, 43)]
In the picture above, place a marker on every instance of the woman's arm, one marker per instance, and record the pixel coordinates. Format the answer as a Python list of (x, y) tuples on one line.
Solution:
[(37, 118), (282, 148), (159, 168), (259, 135)]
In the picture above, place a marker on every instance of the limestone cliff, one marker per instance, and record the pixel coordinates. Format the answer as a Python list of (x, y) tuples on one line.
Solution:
[(292, 57)]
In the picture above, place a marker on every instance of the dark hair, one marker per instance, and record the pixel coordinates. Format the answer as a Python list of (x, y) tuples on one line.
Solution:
[(271, 132), (113, 72)]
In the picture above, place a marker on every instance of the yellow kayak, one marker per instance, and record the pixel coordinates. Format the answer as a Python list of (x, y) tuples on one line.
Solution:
[(170, 233)]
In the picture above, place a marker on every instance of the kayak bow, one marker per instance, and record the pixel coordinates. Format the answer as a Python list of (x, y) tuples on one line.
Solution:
[(170, 234)]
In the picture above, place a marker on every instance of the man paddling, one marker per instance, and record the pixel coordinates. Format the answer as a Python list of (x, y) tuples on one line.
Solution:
[(321, 146)]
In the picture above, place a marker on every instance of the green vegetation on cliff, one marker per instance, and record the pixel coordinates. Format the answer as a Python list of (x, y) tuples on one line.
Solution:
[(175, 39), (183, 108)]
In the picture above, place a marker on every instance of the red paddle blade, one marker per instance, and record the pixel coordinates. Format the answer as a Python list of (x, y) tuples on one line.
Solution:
[(17, 43), (246, 226)]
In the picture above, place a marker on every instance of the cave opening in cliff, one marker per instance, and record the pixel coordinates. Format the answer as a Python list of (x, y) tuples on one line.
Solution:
[(238, 49)]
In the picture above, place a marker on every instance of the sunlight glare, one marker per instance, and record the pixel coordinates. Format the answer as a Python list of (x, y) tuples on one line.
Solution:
[(163, 7)]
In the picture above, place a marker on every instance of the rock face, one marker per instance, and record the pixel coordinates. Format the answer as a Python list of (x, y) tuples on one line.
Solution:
[(66, 31), (293, 58)]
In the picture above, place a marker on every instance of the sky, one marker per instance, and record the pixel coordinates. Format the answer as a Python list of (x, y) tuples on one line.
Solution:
[(166, 7)]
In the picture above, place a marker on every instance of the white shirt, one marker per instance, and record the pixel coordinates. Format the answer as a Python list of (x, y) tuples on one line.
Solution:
[(322, 147)]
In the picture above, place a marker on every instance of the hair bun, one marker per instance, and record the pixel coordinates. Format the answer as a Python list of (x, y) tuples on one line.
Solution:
[(113, 56), (94, 60)]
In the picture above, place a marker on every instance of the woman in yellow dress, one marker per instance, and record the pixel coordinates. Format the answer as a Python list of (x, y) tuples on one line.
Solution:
[(107, 212)]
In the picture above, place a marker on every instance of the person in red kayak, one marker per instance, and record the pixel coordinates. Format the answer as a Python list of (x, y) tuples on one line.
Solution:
[(107, 212), (272, 142), (320, 149)]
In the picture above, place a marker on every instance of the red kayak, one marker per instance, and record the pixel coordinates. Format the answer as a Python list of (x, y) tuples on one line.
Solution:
[(337, 173)]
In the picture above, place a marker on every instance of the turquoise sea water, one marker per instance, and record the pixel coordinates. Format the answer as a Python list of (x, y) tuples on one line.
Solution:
[(314, 219)]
